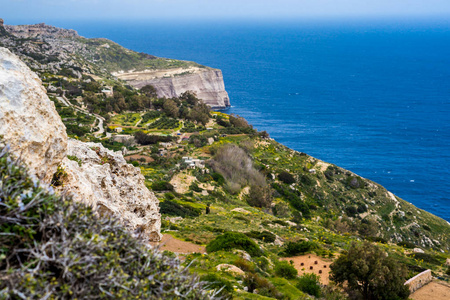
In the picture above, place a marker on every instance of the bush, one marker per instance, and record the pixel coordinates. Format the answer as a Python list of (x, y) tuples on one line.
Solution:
[(57, 248), (218, 178), (145, 139), (214, 282), (296, 248), (236, 167), (265, 236), (309, 283), (162, 186), (234, 240), (286, 177), (259, 196), (281, 210), (194, 187), (254, 282), (172, 208), (244, 265), (285, 270), (407, 245)]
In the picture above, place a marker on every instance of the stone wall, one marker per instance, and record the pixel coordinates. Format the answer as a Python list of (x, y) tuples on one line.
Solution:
[(419, 280)]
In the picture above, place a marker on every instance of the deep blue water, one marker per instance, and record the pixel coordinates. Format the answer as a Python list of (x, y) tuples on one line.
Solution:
[(372, 97)]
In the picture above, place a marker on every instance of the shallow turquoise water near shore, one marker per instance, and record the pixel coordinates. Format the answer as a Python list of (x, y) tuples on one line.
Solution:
[(372, 97)]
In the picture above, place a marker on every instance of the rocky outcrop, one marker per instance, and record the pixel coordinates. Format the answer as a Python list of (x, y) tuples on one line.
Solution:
[(29, 122), (207, 83), (103, 179), (43, 30), (31, 126)]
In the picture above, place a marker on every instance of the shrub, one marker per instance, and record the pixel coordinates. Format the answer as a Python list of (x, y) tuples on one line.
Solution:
[(254, 282), (234, 240), (259, 196), (351, 211), (286, 177), (309, 283), (296, 248), (218, 178), (172, 208), (407, 245), (265, 236), (234, 164), (145, 139), (57, 248), (285, 270), (244, 265), (162, 186), (194, 187), (214, 282)]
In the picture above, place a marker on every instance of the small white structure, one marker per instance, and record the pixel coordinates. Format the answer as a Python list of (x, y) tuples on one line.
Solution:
[(193, 163), (118, 129), (108, 91)]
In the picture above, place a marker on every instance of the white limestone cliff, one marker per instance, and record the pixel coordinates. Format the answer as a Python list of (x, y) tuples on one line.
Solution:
[(207, 83), (31, 126), (29, 123)]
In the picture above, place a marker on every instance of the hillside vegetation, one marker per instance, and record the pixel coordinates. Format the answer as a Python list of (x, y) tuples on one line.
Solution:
[(252, 202)]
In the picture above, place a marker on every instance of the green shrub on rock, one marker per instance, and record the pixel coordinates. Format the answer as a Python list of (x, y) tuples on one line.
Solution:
[(297, 248), (234, 240), (52, 247)]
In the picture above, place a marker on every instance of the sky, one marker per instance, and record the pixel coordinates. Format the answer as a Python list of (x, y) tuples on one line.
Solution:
[(15, 11)]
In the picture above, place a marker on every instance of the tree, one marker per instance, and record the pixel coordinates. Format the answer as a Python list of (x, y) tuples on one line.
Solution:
[(370, 274), (170, 108), (310, 284), (286, 177), (149, 91)]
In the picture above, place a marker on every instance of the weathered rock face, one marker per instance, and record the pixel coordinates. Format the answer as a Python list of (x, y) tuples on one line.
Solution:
[(207, 83), (29, 122), (103, 179), (30, 31)]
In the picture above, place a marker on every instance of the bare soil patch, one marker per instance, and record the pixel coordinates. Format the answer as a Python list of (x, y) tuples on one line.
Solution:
[(312, 264), (172, 244), (434, 290)]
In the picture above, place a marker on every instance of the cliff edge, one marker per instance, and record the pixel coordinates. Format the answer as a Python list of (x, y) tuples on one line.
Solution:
[(48, 48), (206, 83)]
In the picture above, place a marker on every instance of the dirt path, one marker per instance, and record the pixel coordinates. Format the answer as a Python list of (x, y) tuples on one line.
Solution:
[(319, 266), (432, 291), (172, 244), (98, 118)]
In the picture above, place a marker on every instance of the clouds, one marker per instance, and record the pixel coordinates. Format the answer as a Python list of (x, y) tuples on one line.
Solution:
[(211, 9)]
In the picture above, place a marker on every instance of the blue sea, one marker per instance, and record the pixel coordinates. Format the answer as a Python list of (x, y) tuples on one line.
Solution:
[(371, 96)]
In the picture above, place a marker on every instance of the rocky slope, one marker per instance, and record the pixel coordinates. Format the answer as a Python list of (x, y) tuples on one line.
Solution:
[(32, 127), (207, 83), (49, 49)]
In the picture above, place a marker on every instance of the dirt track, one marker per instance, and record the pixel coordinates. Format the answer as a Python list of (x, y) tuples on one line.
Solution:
[(172, 244), (432, 291)]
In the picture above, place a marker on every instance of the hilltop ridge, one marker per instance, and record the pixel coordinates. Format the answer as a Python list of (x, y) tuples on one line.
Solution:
[(48, 48)]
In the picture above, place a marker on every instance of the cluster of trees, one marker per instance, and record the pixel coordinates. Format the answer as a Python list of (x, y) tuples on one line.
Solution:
[(146, 139)]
